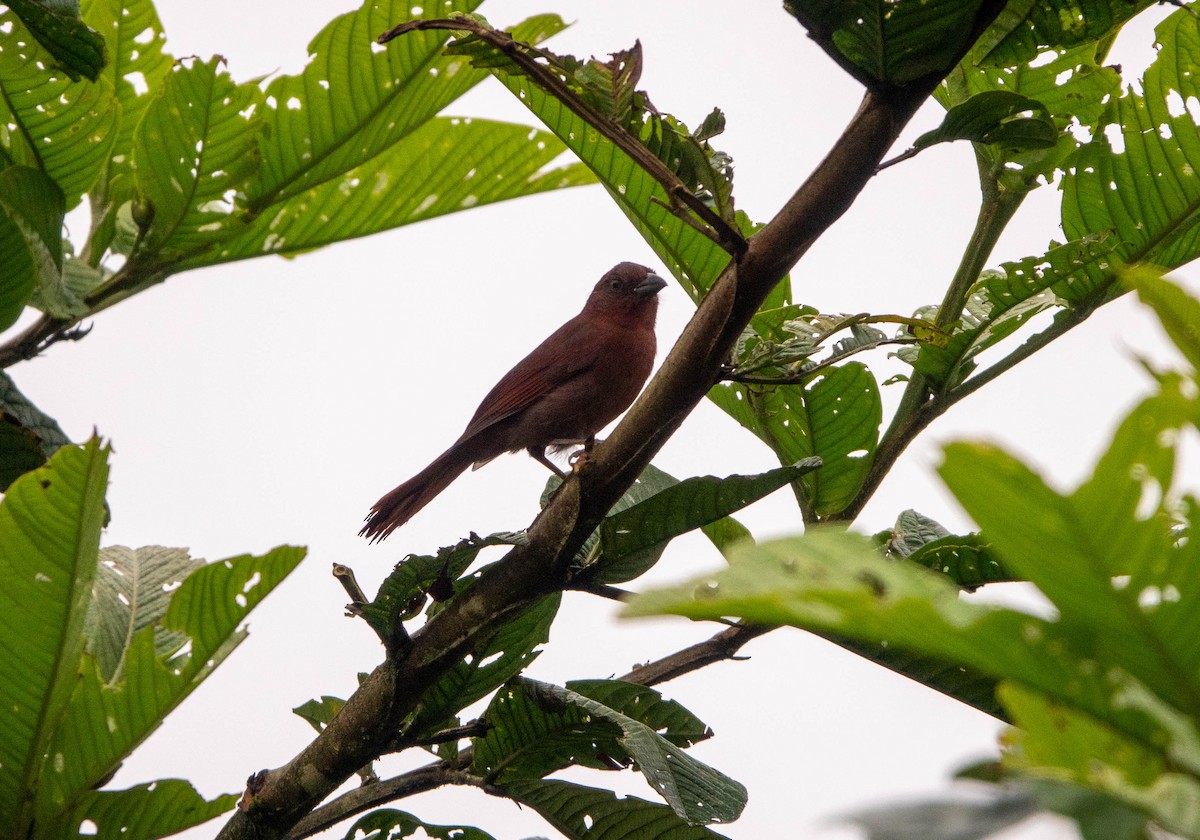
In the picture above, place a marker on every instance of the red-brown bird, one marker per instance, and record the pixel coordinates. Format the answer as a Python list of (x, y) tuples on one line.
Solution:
[(571, 386)]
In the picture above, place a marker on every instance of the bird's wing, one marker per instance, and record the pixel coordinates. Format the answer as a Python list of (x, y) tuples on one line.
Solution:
[(536, 375)]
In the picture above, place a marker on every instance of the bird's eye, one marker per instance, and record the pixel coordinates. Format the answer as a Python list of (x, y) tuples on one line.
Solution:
[(616, 284)]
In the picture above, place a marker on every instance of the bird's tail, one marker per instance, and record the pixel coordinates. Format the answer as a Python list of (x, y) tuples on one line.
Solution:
[(401, 504)]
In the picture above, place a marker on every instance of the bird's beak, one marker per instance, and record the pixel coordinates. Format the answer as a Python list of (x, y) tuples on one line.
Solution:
[(650, 286)]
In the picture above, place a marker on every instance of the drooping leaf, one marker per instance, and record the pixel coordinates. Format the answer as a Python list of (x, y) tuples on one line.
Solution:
[(535, 729), (541, 727), (72, 122), (31, 219), (50, 522), (584, 813), (77, 49)]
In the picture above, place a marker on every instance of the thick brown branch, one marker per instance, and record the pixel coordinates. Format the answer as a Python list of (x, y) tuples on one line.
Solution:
[(374, 713)]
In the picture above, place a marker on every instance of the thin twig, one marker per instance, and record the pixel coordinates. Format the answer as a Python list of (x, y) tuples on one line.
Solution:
[(526, 57)]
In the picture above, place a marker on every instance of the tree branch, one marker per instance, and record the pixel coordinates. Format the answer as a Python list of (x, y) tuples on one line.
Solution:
[(395, 688)]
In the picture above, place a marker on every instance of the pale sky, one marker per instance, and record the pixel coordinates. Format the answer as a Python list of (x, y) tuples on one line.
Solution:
[(272, 401)]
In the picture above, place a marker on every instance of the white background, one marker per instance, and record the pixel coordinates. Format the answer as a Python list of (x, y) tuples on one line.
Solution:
[(272, 401)]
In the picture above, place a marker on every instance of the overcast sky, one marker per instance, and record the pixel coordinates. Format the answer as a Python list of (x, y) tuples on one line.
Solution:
[(272, 401)]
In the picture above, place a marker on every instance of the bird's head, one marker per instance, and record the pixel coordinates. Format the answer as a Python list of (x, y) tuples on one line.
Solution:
[(627, 288)]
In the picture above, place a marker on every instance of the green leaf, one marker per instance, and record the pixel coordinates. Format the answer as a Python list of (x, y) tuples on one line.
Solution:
[(50, 522), (158, 809), (415, 575), (105, 721), (396, 825), (532, 739), (136, 70), (1137, 176), (911, 532), (62, 127), (77, 49), (132, 590), (995, 117), (193, 146), (893, 43), (693, 258), (1177, 311), (1088, 751), (31, 219), (1082, 544), (495, 659), (1002, 301), (27, 436), (354, 100), (443, 166), (835, 417), (970, 561), (319, 713), (584, 813), (1048, 23), (633, 538), (535, 729)]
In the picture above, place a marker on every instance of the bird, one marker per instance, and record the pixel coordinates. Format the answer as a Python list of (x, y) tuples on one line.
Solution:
[(570, 387)]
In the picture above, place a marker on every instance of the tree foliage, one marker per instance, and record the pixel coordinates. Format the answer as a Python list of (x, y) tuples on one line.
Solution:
[(188, 168)]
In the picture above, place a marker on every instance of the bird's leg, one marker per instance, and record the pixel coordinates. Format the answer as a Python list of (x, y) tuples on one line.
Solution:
[(538, 453), (579, 457)]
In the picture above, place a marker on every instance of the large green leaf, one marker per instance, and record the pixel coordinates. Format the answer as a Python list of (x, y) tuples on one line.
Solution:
[(836, 418), (535, 729), (1138, 175), (136, 68), (149, 811), (443, 166), (132, 590), (632, 538), (1177, 311), (50, 522), (494, 659), (1053, 23), (107, 719), (78, 50), (537, 733), (31, 218), (62, 127), (194, 145), (584, 813), (894, 42), (354, 100)]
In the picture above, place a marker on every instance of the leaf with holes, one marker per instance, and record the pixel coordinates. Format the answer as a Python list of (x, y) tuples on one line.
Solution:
[(73, 122), (541, 727)]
